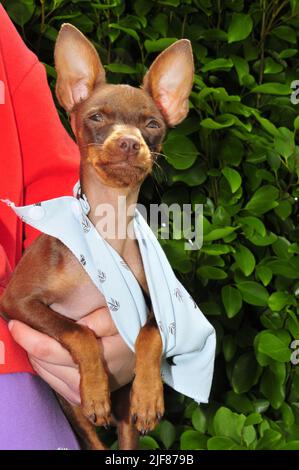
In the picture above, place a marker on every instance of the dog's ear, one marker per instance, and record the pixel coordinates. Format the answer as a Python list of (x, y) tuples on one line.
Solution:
[(78, 67), (169, 81)]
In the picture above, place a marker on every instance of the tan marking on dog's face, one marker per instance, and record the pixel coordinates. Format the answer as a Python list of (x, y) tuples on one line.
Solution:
[(112, 113)]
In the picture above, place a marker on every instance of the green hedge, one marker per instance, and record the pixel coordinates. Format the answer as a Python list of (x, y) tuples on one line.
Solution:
[(237, 154)]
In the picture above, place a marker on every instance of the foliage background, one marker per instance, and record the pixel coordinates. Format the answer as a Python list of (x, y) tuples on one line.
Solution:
[(237, 153)]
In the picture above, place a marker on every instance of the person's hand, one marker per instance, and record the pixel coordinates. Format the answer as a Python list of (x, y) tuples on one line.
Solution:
[(54, 364)]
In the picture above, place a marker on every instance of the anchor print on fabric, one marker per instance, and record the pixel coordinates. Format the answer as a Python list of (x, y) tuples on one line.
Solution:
[(171, 328), (82, 260), (85, 224), (102, 276), (178, 294), (113, 305)]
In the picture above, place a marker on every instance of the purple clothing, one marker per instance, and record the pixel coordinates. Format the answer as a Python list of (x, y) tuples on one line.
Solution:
[(30, 416)]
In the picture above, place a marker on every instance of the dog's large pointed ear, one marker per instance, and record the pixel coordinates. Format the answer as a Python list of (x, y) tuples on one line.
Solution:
[(78, 67), (169, 81)]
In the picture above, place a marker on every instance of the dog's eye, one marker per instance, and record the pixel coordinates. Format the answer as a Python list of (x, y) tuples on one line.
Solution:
[(153, 124), (98, 117)]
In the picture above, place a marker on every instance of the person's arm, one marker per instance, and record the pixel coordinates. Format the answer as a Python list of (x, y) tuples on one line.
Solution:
[(55, 365), (48, 162)]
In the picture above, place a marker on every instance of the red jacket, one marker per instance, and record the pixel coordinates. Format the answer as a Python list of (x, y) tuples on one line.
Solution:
[(38, 160)]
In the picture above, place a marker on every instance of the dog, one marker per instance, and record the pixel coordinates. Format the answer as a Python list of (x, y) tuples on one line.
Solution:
[(119, 130)]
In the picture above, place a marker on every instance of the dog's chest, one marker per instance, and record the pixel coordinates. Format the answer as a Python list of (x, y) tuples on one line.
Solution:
[(82, 296), (80, 300)]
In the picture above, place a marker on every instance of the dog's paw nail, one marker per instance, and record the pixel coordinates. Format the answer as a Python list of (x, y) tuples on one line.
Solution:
[(159, 416), (107, 427), (143, 432), (134, 419), (93, 417)]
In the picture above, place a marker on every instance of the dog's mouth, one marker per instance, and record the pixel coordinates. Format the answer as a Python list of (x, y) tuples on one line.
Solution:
[(116, 171), (118, 165)]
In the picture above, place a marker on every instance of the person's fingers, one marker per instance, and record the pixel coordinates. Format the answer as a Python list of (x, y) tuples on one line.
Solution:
[(69, 375), (100, 321), (58, 385), (40, 345)]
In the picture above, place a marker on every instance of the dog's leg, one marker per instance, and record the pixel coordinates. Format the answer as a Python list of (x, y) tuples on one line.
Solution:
[(147, 401), (128, 435), (83, 346), (85, 431)]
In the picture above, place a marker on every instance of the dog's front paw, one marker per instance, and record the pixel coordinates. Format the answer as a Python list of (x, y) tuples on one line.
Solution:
[(147, 404), (96, 404)]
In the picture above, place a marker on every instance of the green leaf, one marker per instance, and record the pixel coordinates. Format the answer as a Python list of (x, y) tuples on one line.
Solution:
[(287, 53), (245, 373), (233, 178), (166, 433), (222, 443), (232, 300), (242, 68), (240, 27), (216, 250), (272, 89), (255, 224), (148, 443), (210, 123), (253, 418), (142, 7), (228, 424), (129, 31), (270, 440), (267, 125), (291, 445), (284, 142), (287, 414), (193, 176), (264, 274), (158, 44), (282, 267), (271, 345), (286, 33), (229, 347), (199, 420), (180, 151), (264, 240), (263, 200), (253, 293), (244, 259), (210, 272), (120, 68), (20, 12), (193, 440), (218, 64), (271, 66), (278, 300), (219, 233)]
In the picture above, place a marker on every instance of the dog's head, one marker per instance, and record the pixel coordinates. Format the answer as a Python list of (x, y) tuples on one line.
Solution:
[(120, 128)]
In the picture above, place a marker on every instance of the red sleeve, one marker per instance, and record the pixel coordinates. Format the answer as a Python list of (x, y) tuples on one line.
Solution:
[(38, 159)]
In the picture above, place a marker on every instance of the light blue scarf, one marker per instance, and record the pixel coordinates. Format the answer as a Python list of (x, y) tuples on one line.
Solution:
[(188, 338)]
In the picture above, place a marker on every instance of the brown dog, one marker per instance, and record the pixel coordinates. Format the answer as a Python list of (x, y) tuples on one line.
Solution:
[(119, 130)]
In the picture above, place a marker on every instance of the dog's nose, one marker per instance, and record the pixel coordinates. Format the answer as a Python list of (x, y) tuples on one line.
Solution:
[(129, 145)]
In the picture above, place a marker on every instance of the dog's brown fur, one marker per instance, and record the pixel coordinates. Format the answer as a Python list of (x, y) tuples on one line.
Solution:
[(119, 130)]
